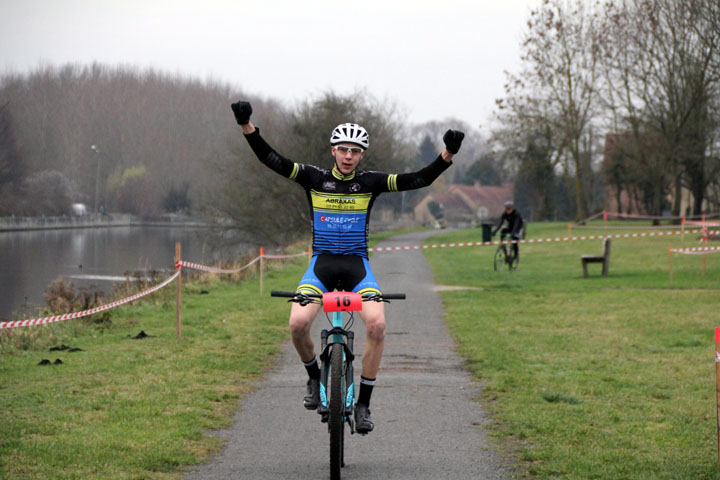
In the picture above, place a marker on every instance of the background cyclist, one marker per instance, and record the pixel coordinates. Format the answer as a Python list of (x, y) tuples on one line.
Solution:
[(514, 226), (340, 199)]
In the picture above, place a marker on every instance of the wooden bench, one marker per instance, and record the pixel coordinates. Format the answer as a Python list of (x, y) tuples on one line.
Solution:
[(604, 259)]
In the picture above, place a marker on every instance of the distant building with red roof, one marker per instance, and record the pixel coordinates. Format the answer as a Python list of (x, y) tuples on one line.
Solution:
[(466, 203)]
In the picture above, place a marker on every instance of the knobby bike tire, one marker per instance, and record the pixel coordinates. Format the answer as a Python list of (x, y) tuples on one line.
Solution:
[(514, 262), (499, 261), (336, 424)]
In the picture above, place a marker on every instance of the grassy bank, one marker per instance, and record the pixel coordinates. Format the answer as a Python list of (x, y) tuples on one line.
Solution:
[(592, 378), (597, 378), (131, 408)]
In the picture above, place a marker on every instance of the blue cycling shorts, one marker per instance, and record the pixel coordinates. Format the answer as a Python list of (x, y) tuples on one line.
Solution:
[(349, 273)]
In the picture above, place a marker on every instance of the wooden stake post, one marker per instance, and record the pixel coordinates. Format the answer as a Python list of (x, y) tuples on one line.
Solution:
[(670, 255), (178, 293), (682, 230), (704, 243), (260, 267), (717, 386), (605, 221)]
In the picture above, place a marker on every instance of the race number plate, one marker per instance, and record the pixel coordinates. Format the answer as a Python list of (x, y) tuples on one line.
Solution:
[(342, 301)]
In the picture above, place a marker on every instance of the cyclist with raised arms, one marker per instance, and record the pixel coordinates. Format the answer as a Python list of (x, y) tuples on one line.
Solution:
[(340, 200), (514, 226)]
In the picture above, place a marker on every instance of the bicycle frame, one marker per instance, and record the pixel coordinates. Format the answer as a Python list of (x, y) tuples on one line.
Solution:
[(338, 334), (336, 357), (507, 259)]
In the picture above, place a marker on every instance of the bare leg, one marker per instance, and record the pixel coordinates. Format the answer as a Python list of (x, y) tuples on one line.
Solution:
[(373, 314), (301, 319)]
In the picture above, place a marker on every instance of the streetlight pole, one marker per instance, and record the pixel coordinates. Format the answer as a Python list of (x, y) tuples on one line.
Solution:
[(95, 149)]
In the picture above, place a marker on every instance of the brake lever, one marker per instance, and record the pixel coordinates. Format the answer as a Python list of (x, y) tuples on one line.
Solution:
[(377, 298), (302, 300)]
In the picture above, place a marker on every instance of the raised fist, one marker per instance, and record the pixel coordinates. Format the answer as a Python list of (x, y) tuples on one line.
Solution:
[(453, 139), (242, 111)]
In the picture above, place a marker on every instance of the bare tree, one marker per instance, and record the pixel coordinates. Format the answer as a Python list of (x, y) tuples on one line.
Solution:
[(389, 150), (47, 193), (474, 144), (11, 165), (171, 126), (662, 78), (558, 86), (305, 139)]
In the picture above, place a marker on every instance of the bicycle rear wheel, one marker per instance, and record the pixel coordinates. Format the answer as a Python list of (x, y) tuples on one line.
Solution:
[(499, 259), (336, 425)]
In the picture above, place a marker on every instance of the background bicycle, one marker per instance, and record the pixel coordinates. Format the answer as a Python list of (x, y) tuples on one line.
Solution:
[(505, 256)]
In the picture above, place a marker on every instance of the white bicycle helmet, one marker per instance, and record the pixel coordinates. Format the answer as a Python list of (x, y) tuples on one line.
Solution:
[(352, 133)]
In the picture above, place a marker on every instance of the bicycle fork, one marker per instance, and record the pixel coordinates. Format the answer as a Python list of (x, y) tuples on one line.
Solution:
[(335, 335)]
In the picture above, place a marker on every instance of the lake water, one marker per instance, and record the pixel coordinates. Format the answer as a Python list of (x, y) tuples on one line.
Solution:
[(97, 257)]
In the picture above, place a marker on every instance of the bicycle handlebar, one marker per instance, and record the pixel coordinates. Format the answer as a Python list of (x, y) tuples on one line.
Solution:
[(366, 296), (280, 293), (393, 296)]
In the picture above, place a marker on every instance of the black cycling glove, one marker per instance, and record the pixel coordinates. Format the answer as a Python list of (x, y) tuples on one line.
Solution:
[(242, 111), (453, 139)]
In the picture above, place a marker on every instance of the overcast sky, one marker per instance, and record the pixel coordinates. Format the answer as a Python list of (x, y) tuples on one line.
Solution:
[(436, 59)]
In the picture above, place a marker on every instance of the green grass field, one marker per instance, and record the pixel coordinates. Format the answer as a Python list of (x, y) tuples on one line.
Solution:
[(129, 408), (591, 378), (597, 378)]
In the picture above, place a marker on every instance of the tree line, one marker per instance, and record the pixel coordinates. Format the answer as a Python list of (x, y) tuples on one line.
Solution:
[(119, 139), (613, 98), (110, 137), (626, 91)]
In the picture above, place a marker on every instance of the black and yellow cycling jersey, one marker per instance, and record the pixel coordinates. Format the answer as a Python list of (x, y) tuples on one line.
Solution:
[(340, 204)]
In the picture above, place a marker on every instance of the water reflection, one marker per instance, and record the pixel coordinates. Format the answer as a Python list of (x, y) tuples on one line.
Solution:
[(94, 257)]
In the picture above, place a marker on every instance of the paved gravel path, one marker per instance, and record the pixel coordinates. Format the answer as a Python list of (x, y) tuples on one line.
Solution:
[(428, 424)]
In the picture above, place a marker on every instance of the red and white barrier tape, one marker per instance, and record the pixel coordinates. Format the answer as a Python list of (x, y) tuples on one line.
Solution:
[(535, 240), (286, 256), (605, 215), (627, 227), (205, 268), (69, 316), (703, 224), (108, 306), (696, 250), (197, 266)]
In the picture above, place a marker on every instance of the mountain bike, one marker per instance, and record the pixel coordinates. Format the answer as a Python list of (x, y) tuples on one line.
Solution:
[(336, 363), (504, 258)]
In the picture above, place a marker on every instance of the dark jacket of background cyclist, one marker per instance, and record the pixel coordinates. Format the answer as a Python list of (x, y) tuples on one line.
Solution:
[(514, 223)]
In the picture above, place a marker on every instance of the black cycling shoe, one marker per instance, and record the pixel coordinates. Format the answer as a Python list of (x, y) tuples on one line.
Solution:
[(363, 422), (311, 400)]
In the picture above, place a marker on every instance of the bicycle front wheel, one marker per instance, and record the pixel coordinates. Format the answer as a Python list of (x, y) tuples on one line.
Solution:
[(514, 262), (336, 424), (499, 259)]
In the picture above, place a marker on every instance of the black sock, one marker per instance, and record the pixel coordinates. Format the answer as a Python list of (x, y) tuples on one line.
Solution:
[(312, 368), (366, 388)]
